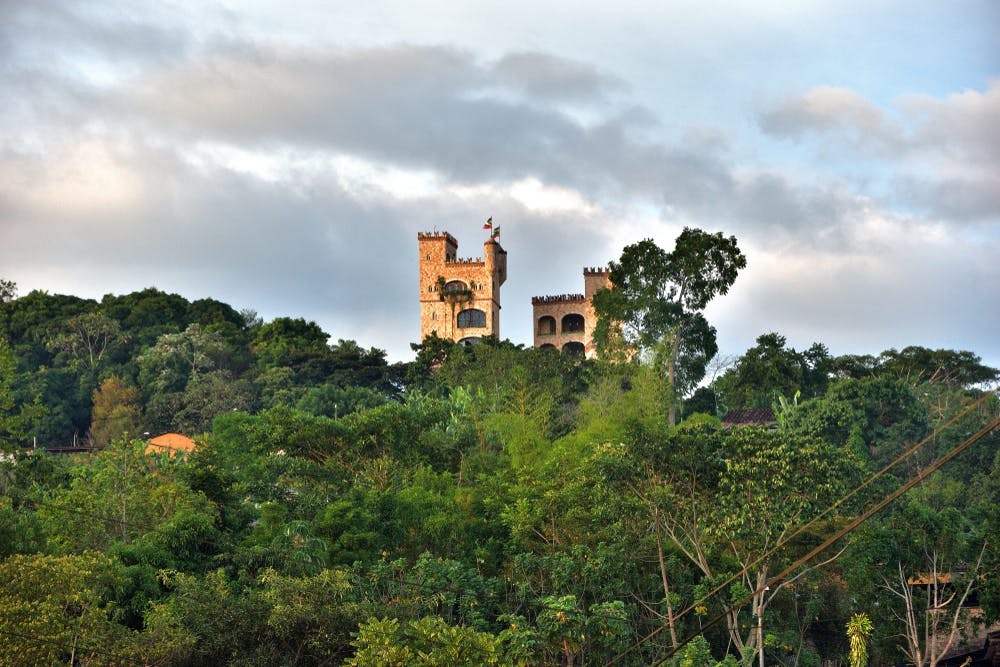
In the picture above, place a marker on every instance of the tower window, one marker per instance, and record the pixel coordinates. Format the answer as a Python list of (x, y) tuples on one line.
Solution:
[(546, 325), (455, 286), (572, 323), (471, 317)]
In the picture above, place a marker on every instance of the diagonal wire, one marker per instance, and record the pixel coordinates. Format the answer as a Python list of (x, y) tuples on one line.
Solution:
[(850, 527), (781, 543)]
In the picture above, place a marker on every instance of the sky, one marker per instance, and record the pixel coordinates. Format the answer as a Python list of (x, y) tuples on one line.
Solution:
[(283, 156)]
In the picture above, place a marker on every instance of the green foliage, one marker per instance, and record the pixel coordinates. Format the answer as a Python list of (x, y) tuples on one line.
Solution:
[(483, 505), (859, 629), (55, 607), (697, 653), (427, 642), (876, 418), (121, 500), (656, 302), (209, 619), (771, 370), (8, 290), (116, 413), (312, 617)]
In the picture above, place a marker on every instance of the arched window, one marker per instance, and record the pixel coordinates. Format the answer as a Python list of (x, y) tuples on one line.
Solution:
[(547, 346), (574, 348), (572, 323), (546, 325), (471, 317), (455, 286), (471, 340)]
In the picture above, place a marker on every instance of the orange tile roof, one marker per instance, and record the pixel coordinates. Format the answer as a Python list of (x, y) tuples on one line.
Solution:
[(170, 442)]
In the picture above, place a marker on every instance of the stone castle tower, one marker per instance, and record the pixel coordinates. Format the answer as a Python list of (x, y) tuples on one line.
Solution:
[(459, 298), (567, 321)]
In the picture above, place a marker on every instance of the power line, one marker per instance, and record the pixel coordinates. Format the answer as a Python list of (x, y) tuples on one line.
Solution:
[(850, 527), (781, 543)]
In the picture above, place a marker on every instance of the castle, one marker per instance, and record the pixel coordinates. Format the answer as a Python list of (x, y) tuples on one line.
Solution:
[(567, 321), (460, 298)]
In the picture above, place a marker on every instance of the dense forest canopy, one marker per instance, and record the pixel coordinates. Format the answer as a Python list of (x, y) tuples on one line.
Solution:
[(485, 505)]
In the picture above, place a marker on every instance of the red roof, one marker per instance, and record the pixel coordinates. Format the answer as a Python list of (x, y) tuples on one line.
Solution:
[(749, 417)]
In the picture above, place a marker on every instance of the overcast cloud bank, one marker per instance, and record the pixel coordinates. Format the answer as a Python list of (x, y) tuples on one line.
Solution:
[(153, 148)]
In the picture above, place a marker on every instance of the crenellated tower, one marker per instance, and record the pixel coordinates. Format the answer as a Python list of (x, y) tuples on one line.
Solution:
[(459, 298), (567, 321)]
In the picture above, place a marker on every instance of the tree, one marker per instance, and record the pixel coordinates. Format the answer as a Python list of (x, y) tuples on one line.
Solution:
[(148, 314), (178, 358), (288, 342), (312, 617), (212, 619), (117, 412), (656, 304), (88, 337), (876, 418), (8, 290), (57, 610), (859, 630), (725, 499), (124, 499), (428, 642), (951, 367), (770, 370), (934, 575), (9, 422)]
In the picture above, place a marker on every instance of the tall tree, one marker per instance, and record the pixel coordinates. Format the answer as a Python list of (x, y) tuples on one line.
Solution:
[(87, 338), (725, 499), (657, 301), (8, 290), (117, 412), (178, 358), (9, 425)]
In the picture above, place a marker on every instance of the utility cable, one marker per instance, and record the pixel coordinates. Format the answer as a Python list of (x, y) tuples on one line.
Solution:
[(850, 527), (801, 529)]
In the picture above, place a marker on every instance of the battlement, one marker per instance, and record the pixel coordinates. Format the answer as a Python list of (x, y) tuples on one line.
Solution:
[(596, 271), (558, 298), (430, 236), (466, 261)]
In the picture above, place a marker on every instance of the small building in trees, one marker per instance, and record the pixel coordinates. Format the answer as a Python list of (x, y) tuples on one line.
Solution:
[(761, 417), (566, 321), (459, 297), (171, 443)]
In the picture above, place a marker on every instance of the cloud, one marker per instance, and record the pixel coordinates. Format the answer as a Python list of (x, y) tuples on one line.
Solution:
[(542, 76), (442, 111), (138, 147), (942, 156), (832, 110), (962, 126), (902, 283)]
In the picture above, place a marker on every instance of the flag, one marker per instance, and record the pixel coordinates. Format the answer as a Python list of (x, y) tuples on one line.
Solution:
[(496, 232), (488, 224)]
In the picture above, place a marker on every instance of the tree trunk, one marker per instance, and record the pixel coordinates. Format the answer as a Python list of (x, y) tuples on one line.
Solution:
[(674, 343), (663, 576)]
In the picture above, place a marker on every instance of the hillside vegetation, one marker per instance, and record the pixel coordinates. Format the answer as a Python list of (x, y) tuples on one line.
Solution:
[(489, 505)]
